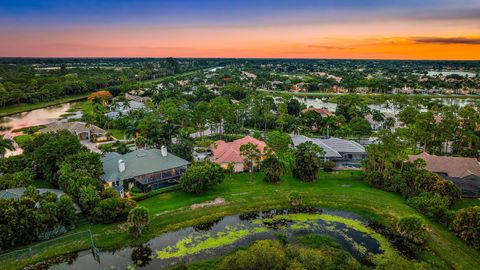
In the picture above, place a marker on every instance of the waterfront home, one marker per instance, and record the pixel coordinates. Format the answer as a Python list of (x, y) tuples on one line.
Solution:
[(147, 169), (345, 153), (80, 129), (463, 172), (225, 153)]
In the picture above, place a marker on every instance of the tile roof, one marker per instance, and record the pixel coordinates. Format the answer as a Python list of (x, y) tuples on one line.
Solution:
[(458, 167), (77, 127), (138, 162), (324, 112), (224, 152), (332, 146)]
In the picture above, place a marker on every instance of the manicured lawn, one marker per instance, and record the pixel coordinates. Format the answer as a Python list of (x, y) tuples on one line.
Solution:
[(33, 106), (336, 190), (464, 203), (117, 133)]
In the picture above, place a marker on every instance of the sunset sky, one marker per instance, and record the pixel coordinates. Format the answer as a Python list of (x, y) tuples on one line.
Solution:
[(398, 29)]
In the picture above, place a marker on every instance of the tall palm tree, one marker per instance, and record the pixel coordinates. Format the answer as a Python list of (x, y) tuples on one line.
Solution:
[(5, 144)]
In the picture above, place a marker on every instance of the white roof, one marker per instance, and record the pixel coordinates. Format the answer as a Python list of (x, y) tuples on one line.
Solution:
[(333, 146)]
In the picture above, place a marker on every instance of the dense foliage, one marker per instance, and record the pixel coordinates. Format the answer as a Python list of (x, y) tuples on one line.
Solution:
[(34, 216), (413, 229), (138, 219), (307, 161), (467, 225), (273, 168), (200, 176), (270, 254)]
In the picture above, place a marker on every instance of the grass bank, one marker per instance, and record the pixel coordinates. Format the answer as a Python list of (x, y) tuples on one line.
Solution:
[(337, 190)]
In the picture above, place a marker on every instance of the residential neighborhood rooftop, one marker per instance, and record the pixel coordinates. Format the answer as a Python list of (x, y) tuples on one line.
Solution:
[(333, 146), (457, 167), (138, 162), (224, 152)]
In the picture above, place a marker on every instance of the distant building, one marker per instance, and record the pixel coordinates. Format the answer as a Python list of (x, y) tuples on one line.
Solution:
[(324, 112), (225, 153), (344, 153), (17, 193), (377, 125), (80, 129), (147, 169), (123, 108), (464, 172)]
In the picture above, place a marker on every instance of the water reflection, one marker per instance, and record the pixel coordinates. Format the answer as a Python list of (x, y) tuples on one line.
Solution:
[(224, 236), (32, 118)]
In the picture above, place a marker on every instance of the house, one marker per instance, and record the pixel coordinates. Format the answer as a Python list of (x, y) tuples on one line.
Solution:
[(463, 172), (123, 108), (249, 75), (377, 125), (225, 153), (344, 153), (80, 129), (324, 112), (147, 169), (17, 193)]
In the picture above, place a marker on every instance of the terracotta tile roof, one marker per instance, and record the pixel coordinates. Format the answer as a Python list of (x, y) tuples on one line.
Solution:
[(322, 111), (224, 152), (458, 167)]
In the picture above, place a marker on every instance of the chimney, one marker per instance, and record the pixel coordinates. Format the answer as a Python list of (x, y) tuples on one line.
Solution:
[(163, 150), (121, 165)]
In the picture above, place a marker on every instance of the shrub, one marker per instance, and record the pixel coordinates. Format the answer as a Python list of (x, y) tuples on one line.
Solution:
[(112, 209), (135, 190), (56, 231), (413, 229), (446, 189), (16, 179), (433, 206), (200, 176), (295, 199), (467, 225), (273, 168), (138, 219), (328, 166), (265, 254), (307, 162)]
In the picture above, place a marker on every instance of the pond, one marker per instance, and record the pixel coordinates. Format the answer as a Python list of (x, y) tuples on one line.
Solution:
[(31, 118), (223, 236)]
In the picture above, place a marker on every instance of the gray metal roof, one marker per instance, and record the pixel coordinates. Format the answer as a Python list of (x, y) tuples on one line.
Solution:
[(334, 147), (138, 162)]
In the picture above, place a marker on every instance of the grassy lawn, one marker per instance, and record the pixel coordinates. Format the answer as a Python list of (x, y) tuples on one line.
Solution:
[(336, 190), (117, 133), (33, 106), (21, 139), (466, 202)]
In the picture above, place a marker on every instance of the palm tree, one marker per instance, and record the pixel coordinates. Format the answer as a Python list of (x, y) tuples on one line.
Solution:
[(5, 144)]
